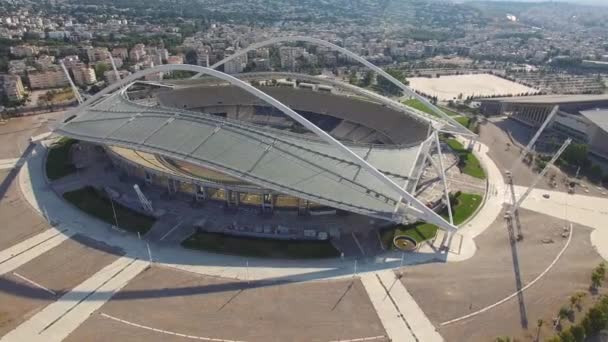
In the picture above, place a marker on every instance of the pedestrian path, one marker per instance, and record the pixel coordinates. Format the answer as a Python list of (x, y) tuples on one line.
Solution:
[(6, 164), (421, 326), (57, 320), (392, 320), (23, 252)]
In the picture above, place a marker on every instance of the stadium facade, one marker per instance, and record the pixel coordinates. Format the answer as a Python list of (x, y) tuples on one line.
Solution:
[(313, 144)]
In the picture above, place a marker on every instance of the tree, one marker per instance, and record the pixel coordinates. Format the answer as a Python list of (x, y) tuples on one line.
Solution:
[(387, 87), (597, 320), (539, 324), (595, 173), (566, 336), (578, 332), (100, 69), (367, 79), (575, 154), (596, 280)]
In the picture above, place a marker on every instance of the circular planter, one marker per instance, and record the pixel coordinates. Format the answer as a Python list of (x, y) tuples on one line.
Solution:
[(405, 243)]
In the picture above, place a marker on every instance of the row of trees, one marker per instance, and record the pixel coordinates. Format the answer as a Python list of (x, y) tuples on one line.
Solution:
[(595, 320)]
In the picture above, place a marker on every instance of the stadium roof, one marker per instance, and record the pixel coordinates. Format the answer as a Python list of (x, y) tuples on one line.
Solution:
[(597, 116), (298, 165), (549, 99)]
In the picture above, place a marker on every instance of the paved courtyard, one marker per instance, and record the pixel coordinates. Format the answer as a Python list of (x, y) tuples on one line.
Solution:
[(210, 307), (45, 279), (500, 268)]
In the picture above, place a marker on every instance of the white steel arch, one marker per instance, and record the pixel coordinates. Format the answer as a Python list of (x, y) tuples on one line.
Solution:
[(354, 56), (415, 205)]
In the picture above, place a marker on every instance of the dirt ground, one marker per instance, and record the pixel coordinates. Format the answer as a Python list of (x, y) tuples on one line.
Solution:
[(497, 270), (15, 133), (58, 270), (192, 304), (20, 221)]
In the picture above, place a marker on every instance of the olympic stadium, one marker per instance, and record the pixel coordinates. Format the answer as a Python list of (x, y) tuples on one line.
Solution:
[(271, 141)]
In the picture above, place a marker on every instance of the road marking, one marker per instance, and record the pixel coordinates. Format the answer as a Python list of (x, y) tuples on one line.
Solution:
[(167, 332), (171, 230), (34, 283), (518, 292)]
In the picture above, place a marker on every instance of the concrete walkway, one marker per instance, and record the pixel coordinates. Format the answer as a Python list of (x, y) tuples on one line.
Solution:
[(56, 321), (21, 253), (6, 164), (392, 320), (420, 325)]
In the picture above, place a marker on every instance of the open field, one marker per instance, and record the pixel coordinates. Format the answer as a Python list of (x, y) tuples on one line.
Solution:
[(450, 87), (211, 307)]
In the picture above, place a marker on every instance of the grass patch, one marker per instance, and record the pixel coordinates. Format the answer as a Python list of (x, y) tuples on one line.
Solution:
[(417, 104), (464, 205), (265, 248), (95, 203), (58, 163), (469, 164), (450, 112), (463, 120)]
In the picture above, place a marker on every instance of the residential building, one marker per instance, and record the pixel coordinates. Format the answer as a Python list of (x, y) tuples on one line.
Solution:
[(12, 87), (83, 75), (53, 77), (110, 75), (121, 53), (97, 54)]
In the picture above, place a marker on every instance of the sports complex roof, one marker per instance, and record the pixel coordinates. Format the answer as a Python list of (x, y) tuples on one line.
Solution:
[(299, 165)]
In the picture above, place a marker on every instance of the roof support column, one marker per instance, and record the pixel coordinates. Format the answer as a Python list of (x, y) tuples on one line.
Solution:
[(443, 178)]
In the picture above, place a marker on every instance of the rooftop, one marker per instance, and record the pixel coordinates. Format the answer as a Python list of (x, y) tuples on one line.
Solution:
[(549, 99), (598, 116)]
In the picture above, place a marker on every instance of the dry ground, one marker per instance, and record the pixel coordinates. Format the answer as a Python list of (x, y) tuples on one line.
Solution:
[(19, 220), (452, 290), (59, 270), (187, 303)]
